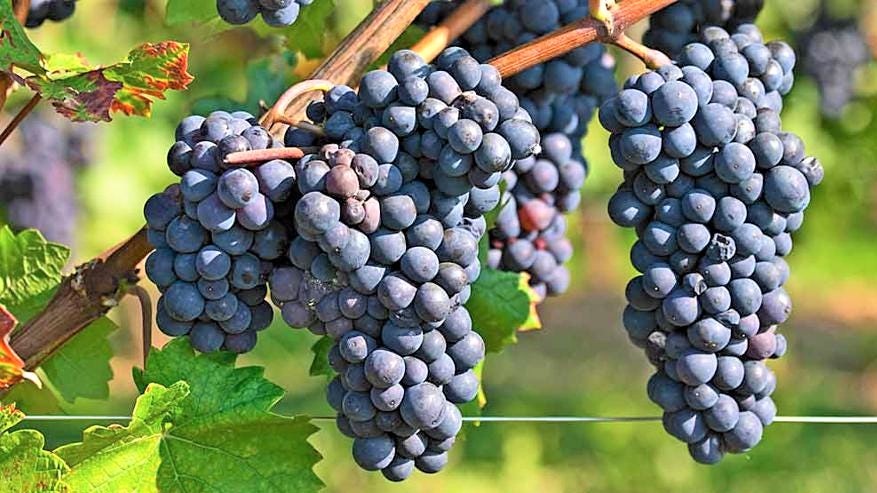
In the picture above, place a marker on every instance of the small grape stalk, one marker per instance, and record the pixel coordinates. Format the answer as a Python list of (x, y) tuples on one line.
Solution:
[(275, 13), (714, 188)]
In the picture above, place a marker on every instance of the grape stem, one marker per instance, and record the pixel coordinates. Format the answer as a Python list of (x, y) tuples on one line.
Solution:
[(20, 9), (146, 318), (270, 118), (441, 36), (600, 11), (580, 33), (19, 117), (652, 58), (249, 158)]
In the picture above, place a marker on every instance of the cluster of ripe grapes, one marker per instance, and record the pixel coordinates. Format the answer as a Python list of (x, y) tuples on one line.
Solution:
[(673, 27), (714, 188), (53, 10), (372, 241), (217, 232), (833, 51), (61, 150), (561, 96), (275, 13)]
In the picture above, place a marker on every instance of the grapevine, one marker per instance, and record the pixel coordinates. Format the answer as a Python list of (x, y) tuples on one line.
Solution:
[(368, 215)]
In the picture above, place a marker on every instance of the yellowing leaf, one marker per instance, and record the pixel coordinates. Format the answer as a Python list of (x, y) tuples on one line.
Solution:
[(129, 87)]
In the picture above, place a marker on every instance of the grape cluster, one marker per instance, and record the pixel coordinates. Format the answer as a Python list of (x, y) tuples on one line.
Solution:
[(389, 220), (53, 10), (833, 52), (714, 188), (61, 150), (275, 13), (217, 233), (561, 96), (673, 27)]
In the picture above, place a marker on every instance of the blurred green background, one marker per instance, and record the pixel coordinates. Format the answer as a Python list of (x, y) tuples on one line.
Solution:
[(581, 363)]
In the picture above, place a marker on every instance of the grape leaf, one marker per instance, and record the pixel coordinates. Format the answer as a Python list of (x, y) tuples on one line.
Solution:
[(82, 367), (15, 47), (224, 432), (320, 364), (502, 303), (117, 458), (128, 87), (24, 466), (30, 267)]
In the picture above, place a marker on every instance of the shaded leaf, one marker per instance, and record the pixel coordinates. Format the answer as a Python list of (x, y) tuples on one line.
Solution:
[(309, 31), (24, 466), (502, 303), (320, 364), (181, 11), (81, 368), (15, 47), (129, 87), (30, 267)]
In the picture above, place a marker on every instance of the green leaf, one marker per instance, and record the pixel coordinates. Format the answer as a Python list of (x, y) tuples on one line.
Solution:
[(24, 466), (30, 268), (320, 364), (81, 368), (502, 303), (180, 11), (15, 47), (224, 436), (308, 32), (117, 458), (130, 86)]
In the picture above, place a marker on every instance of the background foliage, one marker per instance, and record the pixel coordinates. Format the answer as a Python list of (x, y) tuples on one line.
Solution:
[(581, 363)]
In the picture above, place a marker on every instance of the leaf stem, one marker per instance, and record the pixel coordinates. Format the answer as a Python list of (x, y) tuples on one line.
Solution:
[(652, 58), (19, 117)]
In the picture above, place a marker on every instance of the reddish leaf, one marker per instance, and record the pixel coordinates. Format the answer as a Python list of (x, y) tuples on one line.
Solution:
[(129, 87), (11, 366)]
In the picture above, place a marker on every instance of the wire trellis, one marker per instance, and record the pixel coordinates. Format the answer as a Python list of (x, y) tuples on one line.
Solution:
[(849, 420)]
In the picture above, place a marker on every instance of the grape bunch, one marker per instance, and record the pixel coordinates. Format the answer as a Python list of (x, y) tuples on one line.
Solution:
[(275, 13), (61, 150), (673, 27), (388, 224), (561, 96), (217, 233), (714, 189), (53, 10), (833, 52)]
